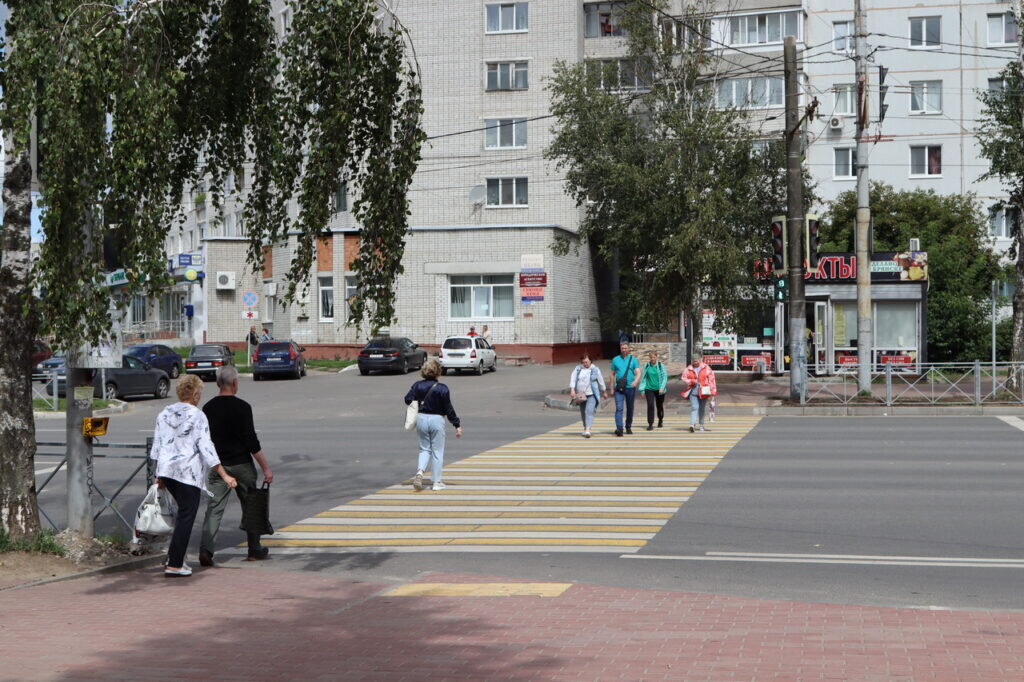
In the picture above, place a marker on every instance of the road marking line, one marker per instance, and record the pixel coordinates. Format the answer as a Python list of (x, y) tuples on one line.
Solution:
[(478, 590), (982, 563), (475, 521), (1015, 422), (461, 527), (862, 556)]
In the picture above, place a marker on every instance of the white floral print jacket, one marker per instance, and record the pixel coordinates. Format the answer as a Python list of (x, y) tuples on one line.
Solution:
[(182, 447)]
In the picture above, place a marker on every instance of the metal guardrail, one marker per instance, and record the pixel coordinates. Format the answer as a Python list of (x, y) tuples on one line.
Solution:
[(973, 383), (108, 502)]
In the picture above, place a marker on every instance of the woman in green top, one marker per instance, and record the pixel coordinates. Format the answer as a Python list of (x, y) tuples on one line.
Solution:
[(653, 382)]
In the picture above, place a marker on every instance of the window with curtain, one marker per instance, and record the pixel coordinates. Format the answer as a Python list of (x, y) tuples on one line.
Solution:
[(326, 285), (481, 296)]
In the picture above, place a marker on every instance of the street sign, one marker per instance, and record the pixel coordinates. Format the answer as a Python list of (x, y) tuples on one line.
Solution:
[(184, 259), (533, 279), (250, 299), (250, 315)]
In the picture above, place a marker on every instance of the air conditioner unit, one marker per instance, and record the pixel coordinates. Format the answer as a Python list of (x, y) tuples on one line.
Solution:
[(915, 244), (226, 280), (835, 123), (270, 289)]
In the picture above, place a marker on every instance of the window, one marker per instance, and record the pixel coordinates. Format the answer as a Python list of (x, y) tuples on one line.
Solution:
[(1003, 222), (925, 32), (842, 36), (691, 32), (845, 163), (269, 306), (239, 226), (286, 20), (228, 225), (505, 133), (602, 19), (618, 74), (507, 17), (339, 198), (351, 291), (508, 76), (925, 97), (996, 84), (507, 192), (896, 325), (760, 29), (751, 93), (481, 296), (202, 232), (1002, 29), (926, 161), (844, 104), (326, 285), (138, 308)]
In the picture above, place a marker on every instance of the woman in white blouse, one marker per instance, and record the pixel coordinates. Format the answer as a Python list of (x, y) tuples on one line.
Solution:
[(184, 455)]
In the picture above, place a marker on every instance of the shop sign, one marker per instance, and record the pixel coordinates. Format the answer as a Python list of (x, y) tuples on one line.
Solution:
[(717, 360), (533, 279), (531, 262), (889, 266), (896, 360), (184, 260), (531, 294), (752, 360), (844, 360), (116, 278)]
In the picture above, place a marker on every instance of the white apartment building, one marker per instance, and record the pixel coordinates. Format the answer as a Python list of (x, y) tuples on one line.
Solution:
[(486, 206)]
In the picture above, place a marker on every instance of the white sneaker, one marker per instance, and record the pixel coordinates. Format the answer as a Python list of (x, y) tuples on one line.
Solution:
[(182, 572), (439, 486), (417, 480), (692, 429), (586, 434), (703, 429)]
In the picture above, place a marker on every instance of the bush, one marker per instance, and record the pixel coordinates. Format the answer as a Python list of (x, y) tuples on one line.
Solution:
[(45, 542)]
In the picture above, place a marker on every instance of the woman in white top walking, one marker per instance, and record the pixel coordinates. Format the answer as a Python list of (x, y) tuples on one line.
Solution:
[(184, 454), (585, 385)]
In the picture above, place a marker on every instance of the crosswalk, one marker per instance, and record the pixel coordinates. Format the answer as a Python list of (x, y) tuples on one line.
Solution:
[(554, 492)]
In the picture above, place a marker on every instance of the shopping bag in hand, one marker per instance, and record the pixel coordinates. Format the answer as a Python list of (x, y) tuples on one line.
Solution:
[(711, 414), (156, 513), (256, 511)]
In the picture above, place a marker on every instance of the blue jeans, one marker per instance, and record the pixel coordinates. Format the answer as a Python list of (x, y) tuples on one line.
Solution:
[(628, 397), (698, 406), (430, 428), (587, 411)]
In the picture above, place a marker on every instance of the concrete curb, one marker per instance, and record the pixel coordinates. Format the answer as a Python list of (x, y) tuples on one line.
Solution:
[(130, 565)]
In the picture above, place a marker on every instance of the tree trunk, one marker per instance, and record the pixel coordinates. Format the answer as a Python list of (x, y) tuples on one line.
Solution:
[(19, 516)]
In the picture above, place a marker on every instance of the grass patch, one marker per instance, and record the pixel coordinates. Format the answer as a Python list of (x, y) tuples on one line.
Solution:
[(116, 540), (62, 404), (331, 364), (45, 542)]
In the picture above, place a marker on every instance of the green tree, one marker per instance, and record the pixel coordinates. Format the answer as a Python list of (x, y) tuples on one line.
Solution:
[(961, 264), (139, 101), (674, 193), (1001, 142)]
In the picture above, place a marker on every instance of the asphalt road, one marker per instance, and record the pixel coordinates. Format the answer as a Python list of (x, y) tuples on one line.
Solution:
[(892, 511)]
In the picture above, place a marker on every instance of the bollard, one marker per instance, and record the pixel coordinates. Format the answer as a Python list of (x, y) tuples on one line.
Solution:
[(977, 382), (888, 383)]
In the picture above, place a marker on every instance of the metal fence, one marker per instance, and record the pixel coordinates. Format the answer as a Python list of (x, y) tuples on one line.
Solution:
[(108, 451), (974, 383), (49, 390), (158, 329)]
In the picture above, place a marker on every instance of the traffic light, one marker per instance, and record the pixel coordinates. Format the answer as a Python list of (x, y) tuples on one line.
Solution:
[(882, 89), (811, 242), (780, 261), (781, 290)]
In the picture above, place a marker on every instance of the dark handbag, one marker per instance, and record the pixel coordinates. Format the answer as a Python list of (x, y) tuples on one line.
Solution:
[(256, 511)]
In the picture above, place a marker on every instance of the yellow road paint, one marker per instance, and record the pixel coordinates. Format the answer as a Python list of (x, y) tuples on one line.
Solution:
[(492, 515), (439, 501), (479, 590), (465, 528), (423, 542), (468, 490)]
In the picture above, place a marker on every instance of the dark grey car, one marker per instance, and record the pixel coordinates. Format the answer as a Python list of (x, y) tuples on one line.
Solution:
[(391, 354), (204, 360)]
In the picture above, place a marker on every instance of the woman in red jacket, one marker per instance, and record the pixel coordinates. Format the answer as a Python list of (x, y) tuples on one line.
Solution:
[(700, 388)]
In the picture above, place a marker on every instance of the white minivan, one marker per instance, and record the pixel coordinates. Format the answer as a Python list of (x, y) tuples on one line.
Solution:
[(467, 352)]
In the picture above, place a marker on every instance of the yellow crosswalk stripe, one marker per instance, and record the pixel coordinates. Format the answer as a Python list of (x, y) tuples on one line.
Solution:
[(551, 492)]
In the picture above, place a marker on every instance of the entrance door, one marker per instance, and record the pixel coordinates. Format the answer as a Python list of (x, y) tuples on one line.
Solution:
[(821, 338)]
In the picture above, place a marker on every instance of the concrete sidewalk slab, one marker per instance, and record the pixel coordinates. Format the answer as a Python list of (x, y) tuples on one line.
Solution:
[(251, 622)]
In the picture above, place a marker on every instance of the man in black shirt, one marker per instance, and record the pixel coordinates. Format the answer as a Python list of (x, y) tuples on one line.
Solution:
[(234, 436)]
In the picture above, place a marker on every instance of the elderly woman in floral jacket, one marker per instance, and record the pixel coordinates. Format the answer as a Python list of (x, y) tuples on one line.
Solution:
[(184, 455)]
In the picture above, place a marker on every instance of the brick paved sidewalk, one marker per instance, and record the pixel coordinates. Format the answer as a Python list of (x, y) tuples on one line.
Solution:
[(243, 622)]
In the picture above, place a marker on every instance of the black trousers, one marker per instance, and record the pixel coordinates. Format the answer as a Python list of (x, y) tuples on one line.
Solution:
[(655, 400), (187, 497)]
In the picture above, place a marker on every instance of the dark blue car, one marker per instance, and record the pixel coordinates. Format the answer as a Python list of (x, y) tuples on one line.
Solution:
[(282, 358), (158, 357)]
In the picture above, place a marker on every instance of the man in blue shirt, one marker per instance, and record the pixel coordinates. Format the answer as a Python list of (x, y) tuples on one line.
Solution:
[(625, 377)]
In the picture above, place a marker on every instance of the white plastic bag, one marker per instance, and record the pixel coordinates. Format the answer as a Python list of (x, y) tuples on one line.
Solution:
[(156, 513), (411, 412)]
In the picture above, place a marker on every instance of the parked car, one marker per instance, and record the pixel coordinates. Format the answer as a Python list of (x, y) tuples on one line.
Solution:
[(391, 355), (158, 356), (133, 377), (467, 352), (278, 357), (53, 365), (204, 360)]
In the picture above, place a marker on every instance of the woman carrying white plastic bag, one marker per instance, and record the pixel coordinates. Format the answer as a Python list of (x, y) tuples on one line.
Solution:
[(184, 454)]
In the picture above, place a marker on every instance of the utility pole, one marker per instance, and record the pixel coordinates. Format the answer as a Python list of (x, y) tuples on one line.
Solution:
[(865, 355), (795, 227)]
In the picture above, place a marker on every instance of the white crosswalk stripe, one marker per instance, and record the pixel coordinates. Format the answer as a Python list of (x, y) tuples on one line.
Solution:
[(555, 492)]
